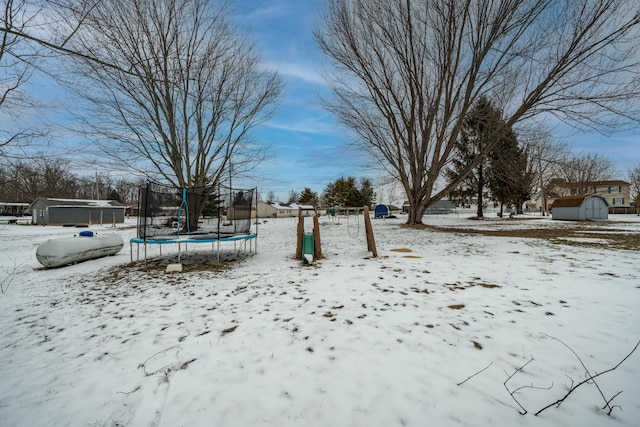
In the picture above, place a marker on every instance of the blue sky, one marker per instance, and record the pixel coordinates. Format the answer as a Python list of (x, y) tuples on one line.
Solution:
[(309, 149)]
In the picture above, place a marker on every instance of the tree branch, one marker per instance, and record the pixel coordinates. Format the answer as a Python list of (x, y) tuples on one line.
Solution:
[(479, 372), (524, 411), (590, 378)]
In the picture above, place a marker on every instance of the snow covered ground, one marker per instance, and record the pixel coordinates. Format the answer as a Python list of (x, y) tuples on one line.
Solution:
[(350, 341)]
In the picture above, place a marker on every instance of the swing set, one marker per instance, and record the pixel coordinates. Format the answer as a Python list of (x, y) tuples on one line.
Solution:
[(308, 246)]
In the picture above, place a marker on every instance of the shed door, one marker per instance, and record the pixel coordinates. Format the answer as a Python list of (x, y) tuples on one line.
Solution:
[(594, 208), (589, 208)]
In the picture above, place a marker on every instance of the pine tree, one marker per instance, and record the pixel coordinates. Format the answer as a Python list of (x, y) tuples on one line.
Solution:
[(510, 180), (308, 197), (345, 193), (481, 126)]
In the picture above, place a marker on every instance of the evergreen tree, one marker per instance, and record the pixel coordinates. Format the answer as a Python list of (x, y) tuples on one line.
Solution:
[(345, 193), (480, 128), (509, 180), (308, 197)]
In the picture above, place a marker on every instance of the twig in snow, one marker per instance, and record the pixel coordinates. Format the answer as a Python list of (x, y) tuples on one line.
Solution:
[(11, 273), (614, 406), (532, 387), (479, 372), (128, 392), (590, 378), (588, 374), (143, 364), (524, 411)]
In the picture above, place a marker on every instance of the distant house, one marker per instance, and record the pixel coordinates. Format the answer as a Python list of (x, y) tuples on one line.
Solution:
[(588, 207), (282, 210), (46, 211), (617, 193), (14, 209)]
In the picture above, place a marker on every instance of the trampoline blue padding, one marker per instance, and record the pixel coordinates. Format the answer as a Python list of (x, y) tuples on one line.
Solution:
[(193, 238), (161, 240)]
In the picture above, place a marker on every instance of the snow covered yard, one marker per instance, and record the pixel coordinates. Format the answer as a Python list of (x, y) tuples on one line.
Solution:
[(350, 341)]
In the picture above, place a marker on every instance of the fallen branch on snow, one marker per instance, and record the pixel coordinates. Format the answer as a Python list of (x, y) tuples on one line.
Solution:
[(591, 378), (479, 372)]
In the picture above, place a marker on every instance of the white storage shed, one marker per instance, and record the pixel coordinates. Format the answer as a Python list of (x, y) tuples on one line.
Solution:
[(589, 207)]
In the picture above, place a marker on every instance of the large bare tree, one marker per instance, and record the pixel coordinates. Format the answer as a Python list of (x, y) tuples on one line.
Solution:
[(18, 58), (173, 89), (407, 72)]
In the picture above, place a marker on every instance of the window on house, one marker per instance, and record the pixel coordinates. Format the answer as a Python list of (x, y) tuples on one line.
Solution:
[(622, 203), (619, 188), (609, 189), (614, 200)]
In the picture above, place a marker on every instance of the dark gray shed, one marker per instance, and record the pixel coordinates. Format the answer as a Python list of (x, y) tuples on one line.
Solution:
[(76, 211), (440, 207), (589, 207)]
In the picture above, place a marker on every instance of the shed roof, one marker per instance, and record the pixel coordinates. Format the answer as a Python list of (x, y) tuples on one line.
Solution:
[(573, 201), (78, 202), (288, 206)]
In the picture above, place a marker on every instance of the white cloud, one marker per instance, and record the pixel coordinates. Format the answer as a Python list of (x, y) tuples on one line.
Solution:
[(305, 126), (311, 74)]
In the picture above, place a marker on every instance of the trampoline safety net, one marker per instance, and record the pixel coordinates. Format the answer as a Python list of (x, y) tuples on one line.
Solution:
[(167, 213)]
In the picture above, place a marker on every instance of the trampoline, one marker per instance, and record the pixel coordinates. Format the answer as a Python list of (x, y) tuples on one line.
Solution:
[(198, 215)]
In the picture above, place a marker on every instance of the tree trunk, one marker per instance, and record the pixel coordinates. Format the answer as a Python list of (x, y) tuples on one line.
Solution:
[(480, 187), (416, 212), (195, 203)]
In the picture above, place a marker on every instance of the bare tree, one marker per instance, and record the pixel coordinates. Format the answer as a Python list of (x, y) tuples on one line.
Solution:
[(634, 180), (293, 196), (17, 61), (545, 156), (271, 197), (173, 89), (407, 73), (584, 169), (39, 176)]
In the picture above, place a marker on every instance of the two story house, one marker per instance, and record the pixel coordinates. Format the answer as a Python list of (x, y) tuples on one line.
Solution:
[(617, 193)]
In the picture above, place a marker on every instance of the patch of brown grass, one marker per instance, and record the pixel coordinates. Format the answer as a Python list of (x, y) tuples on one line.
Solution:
[(557, 235)]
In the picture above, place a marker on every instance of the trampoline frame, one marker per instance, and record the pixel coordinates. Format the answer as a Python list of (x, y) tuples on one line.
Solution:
[(243, 238)]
